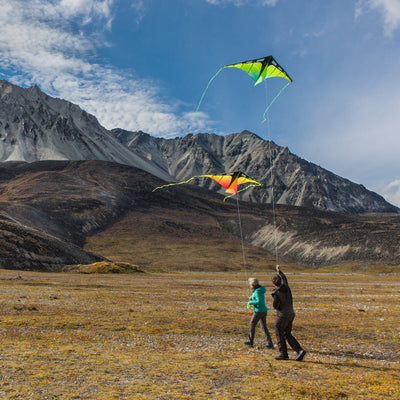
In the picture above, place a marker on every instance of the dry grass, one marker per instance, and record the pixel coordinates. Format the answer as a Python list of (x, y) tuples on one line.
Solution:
[(180, 336), (155, 241), (103, 267)]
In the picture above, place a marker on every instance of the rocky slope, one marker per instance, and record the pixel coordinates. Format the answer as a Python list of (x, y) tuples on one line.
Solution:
[(286, 178), (34, 127), (62, 212)]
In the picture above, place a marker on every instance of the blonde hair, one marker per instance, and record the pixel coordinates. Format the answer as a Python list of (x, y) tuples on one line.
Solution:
[(253, 282)]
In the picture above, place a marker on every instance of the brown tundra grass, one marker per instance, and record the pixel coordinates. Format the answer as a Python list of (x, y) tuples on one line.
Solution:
[(180, 336)]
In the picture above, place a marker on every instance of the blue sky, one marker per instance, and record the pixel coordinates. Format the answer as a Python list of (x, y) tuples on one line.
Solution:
[(143, 65)]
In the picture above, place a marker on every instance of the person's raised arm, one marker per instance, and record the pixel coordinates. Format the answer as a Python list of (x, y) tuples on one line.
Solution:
[(282, 275)]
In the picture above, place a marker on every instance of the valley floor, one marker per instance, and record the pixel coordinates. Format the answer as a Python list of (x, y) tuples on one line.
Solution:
[(180, 336)]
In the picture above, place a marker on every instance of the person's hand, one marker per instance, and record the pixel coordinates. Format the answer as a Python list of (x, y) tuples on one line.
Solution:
[(278, 268), (248, 305)]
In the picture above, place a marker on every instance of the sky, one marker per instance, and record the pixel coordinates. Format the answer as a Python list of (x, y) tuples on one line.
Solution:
[(144, 64)]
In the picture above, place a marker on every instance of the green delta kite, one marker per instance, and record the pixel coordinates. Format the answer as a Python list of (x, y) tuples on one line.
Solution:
[(259, 70)]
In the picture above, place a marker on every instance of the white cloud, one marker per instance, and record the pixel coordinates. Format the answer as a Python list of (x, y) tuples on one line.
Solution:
[(50, 44), (140, 10), (86, 7), (239, 3), (355, 133), (389, 8), (391, 192)]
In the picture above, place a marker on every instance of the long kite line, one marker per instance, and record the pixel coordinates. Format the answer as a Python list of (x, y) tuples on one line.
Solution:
[(259, 70)]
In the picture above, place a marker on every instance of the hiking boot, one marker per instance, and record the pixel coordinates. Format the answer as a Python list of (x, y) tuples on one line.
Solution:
[(300, 355), (248, 344), (282, 357)]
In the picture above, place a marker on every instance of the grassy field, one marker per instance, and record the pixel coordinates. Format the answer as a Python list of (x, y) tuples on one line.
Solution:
[(180, 336)]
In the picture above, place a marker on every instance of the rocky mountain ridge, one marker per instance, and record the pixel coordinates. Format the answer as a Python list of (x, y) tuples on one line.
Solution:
[(54, 213), (286, 178), (35, 127)]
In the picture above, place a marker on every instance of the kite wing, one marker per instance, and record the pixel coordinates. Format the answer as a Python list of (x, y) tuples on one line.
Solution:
[(261, 69), (229, 181)]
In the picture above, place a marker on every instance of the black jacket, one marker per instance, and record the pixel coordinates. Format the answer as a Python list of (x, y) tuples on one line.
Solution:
[(283, 300)]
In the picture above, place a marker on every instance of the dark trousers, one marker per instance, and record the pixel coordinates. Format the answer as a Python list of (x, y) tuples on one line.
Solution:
[(283, 332), (262, 317)]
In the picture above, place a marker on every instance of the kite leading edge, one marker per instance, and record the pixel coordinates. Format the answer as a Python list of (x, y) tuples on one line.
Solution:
[(259, 70), (230, 181)]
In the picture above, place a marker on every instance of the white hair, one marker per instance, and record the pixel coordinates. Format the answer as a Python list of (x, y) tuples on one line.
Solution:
[(253, 282)]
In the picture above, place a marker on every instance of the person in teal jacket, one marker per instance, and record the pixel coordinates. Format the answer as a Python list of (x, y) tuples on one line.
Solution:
[(257, 301)]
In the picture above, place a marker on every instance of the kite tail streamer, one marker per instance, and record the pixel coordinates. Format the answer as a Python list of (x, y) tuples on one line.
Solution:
[(272, 102), (178, 183), (205, 90)]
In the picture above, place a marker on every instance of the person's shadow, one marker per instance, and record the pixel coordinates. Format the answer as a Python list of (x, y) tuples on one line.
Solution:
[(355, 358)]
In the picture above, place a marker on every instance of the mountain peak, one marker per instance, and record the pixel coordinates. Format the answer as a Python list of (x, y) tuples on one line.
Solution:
[(35, 126), (248, 134), (11, 93), (286, 178), (35, 90), (8, 89)]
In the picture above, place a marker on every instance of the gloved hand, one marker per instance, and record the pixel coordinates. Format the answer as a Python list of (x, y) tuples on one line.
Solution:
[(248, 305)]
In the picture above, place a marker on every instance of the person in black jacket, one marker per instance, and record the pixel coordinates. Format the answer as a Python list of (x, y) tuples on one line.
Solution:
[(283, 304)]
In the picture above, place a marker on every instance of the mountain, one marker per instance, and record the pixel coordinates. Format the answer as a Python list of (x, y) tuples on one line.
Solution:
[(286, 178), (24, 247), (51, 210), (72, 192), (34, 127), (54, 213)]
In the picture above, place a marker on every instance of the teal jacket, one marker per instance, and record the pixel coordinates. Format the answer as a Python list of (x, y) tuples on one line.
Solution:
[(257, 299)]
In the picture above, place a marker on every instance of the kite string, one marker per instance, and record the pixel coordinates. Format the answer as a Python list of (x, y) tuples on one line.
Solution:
[(272, 167), (273, 203), (241, 238), (205, 90)]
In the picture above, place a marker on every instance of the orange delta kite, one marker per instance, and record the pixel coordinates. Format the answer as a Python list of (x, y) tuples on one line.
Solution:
[(230, 181)]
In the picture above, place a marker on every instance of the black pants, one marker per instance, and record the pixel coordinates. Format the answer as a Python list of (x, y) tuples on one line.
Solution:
[(262, 317), (283, 332)]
